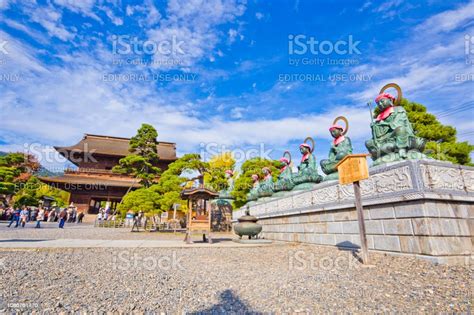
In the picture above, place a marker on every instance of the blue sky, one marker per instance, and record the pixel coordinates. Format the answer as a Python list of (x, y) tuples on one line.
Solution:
[(220, 74)]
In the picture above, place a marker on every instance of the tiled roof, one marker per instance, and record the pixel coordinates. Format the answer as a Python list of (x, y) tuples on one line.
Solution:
[(116, 146)]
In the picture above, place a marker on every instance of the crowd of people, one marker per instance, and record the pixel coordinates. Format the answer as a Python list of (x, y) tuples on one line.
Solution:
[(20, 216)]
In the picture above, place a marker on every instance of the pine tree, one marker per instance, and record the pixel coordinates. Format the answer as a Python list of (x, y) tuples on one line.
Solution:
[(143, 156), (441, 139)]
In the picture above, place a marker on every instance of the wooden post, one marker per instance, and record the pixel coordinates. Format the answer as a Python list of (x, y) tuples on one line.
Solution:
[(352, 169), (190, 214), (208, 208), (360, 219), (174, 217)]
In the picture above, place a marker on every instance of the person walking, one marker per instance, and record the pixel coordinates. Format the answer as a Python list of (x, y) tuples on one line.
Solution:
[(99, 217), (39, 217), (24, 216), (52, 215), (15, 218), (62, 218), (80, 216)]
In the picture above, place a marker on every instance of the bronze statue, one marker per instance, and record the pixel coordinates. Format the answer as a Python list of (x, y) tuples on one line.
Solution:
[(284, 181), (393, 138), (266, 186), (253, 193), (308, 169), (341, 146)]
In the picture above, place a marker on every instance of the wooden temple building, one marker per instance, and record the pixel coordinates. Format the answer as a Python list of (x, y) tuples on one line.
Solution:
[(93, 183)]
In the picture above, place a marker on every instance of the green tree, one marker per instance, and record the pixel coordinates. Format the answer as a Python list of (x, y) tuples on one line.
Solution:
[(16, 168), (143, 157), (16, 178), (61, 197), (142, 199), (166, 191), (441, 139), (7, 176), (172, 181), (26, 195), (244, 183)]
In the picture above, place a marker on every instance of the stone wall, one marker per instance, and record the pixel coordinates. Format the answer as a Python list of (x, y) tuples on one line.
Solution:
[(423, 208)]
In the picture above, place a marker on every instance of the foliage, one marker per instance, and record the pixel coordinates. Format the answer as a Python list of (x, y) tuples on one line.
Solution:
[(144, 143), (215, 177), (16, 168), (61, 197), (7, 188), (30, 193), (162, 195), (143, 158), (172, 181), (442, 144), (142, 199), (244, 182), (16, 177), (441, 139)]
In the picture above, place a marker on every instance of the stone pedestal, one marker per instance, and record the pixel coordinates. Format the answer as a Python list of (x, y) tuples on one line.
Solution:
[(421, 208)]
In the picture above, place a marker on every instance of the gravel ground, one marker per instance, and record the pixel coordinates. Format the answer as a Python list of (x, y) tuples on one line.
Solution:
[(270, 279)]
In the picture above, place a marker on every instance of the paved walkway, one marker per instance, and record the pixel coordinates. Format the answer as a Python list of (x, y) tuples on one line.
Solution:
[(79, 243), (88, 236)]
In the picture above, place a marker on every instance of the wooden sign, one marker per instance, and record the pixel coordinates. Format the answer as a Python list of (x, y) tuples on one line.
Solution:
[(353, 168)]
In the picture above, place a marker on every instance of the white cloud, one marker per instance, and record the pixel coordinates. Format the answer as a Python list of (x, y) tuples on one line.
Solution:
[(259, 15), (50, 19), (232, 35), (4, 4), (195, 23), (65, 101), (449, 20), (111, 15), (423, 65), (32, 33), (237, 112), (83, 7)]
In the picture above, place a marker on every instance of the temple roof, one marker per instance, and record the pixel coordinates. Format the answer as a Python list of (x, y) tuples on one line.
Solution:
[(199, 193), (114, 146)]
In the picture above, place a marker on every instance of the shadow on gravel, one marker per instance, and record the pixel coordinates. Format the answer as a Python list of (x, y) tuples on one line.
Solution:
[(214, 240), (228, 303), (22, 240), (354, 248)]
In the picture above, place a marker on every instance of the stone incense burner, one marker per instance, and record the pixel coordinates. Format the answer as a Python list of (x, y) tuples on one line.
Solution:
[(247, 226)]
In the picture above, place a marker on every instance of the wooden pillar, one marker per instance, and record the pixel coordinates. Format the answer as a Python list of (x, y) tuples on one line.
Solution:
[(360, 219), (190, 214)]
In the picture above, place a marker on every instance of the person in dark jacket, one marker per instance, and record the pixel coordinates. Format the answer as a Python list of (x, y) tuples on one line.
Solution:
[(62, 218)]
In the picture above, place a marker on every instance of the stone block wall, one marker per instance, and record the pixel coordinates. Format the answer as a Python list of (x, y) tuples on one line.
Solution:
[(426, 210)]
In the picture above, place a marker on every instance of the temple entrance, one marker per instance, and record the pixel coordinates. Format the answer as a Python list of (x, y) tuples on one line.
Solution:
[(100, 202)]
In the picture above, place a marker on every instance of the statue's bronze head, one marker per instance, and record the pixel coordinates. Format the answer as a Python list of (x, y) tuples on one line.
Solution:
[(336, 132)]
